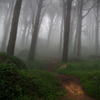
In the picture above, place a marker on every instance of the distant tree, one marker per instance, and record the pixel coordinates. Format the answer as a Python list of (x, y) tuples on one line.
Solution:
[(7, 23), (80, 18), (97, 28), (61, 34), (35, 33), (13, 33), (51, 26)]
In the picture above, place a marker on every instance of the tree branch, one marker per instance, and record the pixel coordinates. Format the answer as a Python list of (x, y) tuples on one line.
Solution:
[(89, 10), (86, 2)]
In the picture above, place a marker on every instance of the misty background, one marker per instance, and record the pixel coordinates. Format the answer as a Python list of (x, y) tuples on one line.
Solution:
[(51, 27)]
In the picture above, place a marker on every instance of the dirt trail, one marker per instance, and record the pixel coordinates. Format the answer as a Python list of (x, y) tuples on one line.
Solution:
[(71, 84)]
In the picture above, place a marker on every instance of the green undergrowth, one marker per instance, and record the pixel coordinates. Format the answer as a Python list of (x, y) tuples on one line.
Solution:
[(36, 65), (87, 71), (7, 58), (31, 83)]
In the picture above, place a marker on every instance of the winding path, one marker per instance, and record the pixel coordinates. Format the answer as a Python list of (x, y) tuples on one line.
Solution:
[(70, 83)]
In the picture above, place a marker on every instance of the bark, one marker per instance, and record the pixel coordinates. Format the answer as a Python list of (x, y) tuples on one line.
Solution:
[(13, 33), (35, 33), (66, 32)]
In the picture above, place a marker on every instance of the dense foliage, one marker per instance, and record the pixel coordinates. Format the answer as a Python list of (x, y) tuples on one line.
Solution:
[(7, 58), (11, 82), (27, 84)]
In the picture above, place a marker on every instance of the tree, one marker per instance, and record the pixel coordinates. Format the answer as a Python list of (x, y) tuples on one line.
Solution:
[(80, 18), (7, 23), (13, 33), (61, 39), (97, 30), (35, 33), (79, 27), (66, 30)]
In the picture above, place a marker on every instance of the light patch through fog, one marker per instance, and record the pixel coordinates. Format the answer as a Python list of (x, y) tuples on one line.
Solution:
[(44, 28), (1, 29), (55, 1)]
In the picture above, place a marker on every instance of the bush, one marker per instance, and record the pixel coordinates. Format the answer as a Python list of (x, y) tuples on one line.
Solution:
[(23, 53), (7, 58), (14, 83), (9, 87)]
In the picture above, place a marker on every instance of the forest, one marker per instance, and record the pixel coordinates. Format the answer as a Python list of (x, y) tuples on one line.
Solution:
[(50, 50)]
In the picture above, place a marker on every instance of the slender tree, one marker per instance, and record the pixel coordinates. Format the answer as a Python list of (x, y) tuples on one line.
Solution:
[(97, 30), (61, 39), (35, 33), (13, 33), (79, 28), (66, 31), (80, 18)]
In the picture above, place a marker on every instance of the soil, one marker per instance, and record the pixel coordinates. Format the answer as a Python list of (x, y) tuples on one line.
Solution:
[(71, 84)]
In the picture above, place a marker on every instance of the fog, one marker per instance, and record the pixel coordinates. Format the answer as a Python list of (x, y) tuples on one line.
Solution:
[(51, 38)]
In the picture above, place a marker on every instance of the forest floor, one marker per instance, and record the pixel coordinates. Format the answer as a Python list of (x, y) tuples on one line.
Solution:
[(71, 84)]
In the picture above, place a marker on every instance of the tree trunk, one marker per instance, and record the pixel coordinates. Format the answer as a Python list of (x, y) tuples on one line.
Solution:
[(66, 32), (97, 31), (75, 43), (27, 37), (80, 29), (22, 44), (49, 33), (13, 33), (35, 33), (60, 44)]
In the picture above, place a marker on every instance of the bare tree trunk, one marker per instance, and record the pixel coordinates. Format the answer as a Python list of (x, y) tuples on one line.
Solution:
[(35, 33), (60, 44), (77, 29), (13, 33), (97, 31), (66, 32), (80, 29)]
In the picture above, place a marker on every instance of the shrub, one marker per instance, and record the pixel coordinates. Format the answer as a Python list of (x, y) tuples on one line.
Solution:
[(14, 83), (7, 58), (9, 87), (23, 53)]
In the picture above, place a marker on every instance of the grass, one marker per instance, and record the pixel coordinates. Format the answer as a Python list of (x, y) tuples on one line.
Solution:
[(88, 72)]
